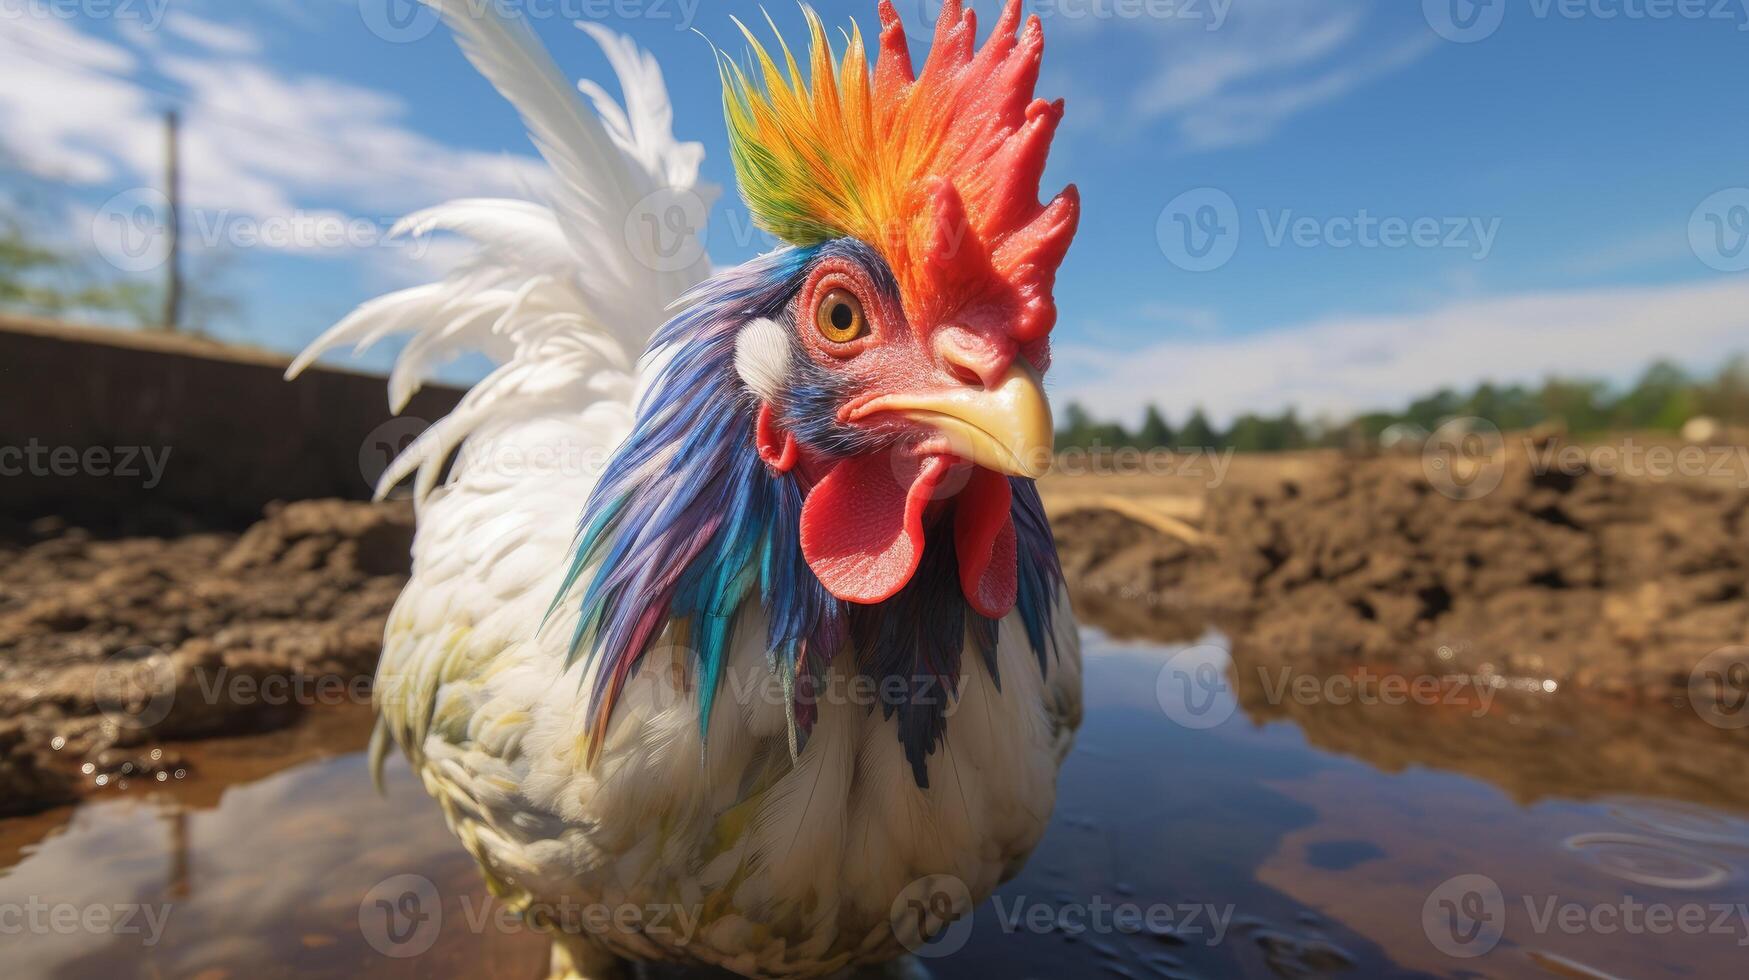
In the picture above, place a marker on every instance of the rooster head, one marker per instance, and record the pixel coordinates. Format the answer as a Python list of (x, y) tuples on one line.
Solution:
[(900, 381)]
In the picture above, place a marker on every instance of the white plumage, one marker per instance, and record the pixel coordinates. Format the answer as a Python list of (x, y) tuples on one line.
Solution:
[(782, 867)]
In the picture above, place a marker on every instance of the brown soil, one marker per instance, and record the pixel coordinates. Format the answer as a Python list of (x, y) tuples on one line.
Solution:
[(113, 645), (1593, 581)]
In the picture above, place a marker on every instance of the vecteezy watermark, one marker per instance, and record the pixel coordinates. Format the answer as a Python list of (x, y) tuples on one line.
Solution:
[(556, 459), (1366, 687), (1469, 21), (1187, 921), (131, 231), (403, 21), (1719, 688), (1718, 230), (933, 917), (921, 17), (147, 13), (37, 459), (36, 917), (1192, 687), (1195, 688), (1635, 459), (137, 688), (665, 230), (840, 688), (385, 443), (1466, 917), (1196, 462), (402, 917), (1365, 230), (1465, 458), (1200, 231)]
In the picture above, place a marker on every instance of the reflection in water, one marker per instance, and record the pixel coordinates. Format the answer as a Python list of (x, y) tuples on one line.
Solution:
[(1253, 833)]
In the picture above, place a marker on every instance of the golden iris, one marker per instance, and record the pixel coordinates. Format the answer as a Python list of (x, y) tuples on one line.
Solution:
[(839, 317)]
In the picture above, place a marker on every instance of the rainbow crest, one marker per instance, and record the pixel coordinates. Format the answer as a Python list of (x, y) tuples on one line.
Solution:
[(938, 171)]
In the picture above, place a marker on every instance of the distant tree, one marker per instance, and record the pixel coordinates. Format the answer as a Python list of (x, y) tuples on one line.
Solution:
[(1077, 425), (40, 277), (1154, 433), (1430, 411), (1663, 398), (1726, 397), (35, 278), (1198, 433), (1579, 405), (1292, 433)]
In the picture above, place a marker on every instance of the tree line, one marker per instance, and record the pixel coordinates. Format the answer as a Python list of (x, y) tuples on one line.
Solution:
[(1663, 398)]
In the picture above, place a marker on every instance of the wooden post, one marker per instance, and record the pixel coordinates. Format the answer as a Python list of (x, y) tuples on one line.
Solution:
[(172, 225)]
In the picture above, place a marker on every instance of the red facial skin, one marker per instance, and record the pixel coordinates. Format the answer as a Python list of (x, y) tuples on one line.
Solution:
[(864, 521)]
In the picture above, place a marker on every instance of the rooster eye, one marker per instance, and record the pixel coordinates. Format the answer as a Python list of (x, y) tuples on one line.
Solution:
[(839, 317)]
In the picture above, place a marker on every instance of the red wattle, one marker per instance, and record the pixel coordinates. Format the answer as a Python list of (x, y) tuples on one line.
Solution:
[(862, 524), (983, 536)]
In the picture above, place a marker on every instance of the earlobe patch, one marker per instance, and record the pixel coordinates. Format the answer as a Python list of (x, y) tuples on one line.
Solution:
[(762, 354)]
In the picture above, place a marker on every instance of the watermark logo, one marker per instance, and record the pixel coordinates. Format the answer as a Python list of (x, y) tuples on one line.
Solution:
[(1718, 230), (385, 443), (398, 21), (135, 688), (1192, 687), (1719, 688), (1465, 917), (932, 916), (1465, 458), (1464, 21), (147, 13), (1184, 922), (1371, 232), (36, 917), (400, 917), (1199, 229), (1469, 21), (38, 459), (665, 230), (130, 230)]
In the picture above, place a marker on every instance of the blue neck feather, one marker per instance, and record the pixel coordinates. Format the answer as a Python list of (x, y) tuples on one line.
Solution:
[(687, 525)]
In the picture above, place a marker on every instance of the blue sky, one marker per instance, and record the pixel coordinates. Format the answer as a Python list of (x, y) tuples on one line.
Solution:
[(1383, 196)]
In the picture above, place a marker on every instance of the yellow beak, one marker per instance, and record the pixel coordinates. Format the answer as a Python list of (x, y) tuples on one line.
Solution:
[(1006, 428)]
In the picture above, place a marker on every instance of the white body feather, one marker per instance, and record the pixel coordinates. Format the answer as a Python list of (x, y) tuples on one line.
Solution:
[(755, 862)]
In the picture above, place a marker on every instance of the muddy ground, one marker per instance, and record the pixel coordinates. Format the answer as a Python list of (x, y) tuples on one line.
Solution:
[(115, 643), (1577, 581), (1589, 580)]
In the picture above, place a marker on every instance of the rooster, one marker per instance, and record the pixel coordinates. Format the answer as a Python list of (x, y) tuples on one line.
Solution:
[(732, 594)]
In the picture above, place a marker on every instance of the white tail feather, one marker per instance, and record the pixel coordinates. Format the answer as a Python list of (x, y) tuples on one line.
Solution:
[(560, 296)]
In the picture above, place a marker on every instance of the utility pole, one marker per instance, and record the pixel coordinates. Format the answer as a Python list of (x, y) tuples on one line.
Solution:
[(172, 225)]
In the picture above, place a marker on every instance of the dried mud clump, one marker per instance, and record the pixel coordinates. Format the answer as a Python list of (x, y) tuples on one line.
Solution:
[(1611, 584), (113, 645)]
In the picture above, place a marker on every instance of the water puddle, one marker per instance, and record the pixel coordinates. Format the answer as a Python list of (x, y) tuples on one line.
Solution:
[(1214, 821)]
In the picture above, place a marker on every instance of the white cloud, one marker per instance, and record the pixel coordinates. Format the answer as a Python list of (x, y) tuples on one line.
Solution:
[(1657, 245), (62, 112), (1342, 365), (1271, 60), (261, 149), (265, 143), (211, 35)]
